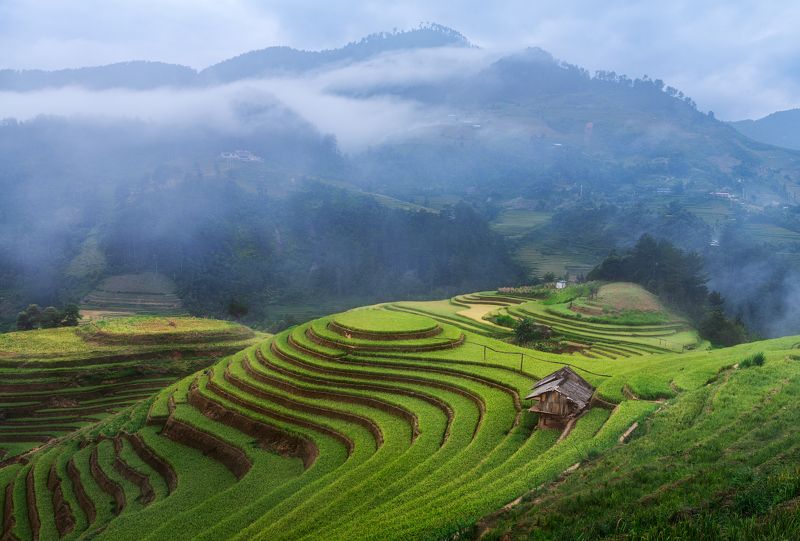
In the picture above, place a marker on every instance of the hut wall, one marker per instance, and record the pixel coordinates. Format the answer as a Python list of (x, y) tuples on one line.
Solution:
[(555, 404)]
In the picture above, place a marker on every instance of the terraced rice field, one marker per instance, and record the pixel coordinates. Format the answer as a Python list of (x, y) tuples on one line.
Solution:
[(514, 223), (717, 462), (403, 421), (537, 262), (772, 234), (55, 381), (573, 257), (588, 338), (127, 294)]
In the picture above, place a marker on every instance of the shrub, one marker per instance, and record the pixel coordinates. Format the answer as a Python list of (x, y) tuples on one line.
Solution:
[(756, 359), (33, 317), (526, 330), (505, 321)]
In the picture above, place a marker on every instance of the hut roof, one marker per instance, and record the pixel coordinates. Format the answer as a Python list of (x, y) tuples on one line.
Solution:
[(568, 384)]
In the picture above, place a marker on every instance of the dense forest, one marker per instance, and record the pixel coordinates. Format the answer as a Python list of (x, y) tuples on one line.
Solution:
[(236, 253), (317, 244)]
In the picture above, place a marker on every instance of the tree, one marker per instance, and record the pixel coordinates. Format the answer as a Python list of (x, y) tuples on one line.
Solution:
[(674, 275), (237, 309), (34, 317), (71, 315), (30, 318), (24, 322), (549, 277), (526, 331), (718, 329), (50, 318)]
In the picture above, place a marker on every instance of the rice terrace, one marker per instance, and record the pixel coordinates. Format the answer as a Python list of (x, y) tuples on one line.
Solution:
[(404, 420), (335, 271)]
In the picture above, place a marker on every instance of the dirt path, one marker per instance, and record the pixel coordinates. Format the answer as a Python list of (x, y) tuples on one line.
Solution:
[(477, 311)]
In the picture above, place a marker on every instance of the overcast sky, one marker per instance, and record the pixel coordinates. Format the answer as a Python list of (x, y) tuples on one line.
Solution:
[(739, 58)]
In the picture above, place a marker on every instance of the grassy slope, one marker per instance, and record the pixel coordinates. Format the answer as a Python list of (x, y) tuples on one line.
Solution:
[(718, 461)]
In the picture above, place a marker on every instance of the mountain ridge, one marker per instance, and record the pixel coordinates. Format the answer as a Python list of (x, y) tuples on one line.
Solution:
[(779, 128), (275, 60)]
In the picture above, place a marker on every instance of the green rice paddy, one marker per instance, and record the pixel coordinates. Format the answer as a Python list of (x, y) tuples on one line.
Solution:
[(400, 421)]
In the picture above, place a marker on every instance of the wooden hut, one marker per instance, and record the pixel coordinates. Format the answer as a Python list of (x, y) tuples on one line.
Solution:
[(560, 397)]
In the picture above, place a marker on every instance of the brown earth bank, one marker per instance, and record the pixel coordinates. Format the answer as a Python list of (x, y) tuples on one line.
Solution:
[(85, 503), (365, 422), (146, 493), (62, 512), (430, 399), (229, 456), (109, 486), (30, 502), (8, 512), (376, 403), (149, 457), (270, 437)]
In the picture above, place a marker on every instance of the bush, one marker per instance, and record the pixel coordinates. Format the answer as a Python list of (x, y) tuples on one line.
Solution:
[(505, 321), (756, 359), (33, 317), (525, 331)]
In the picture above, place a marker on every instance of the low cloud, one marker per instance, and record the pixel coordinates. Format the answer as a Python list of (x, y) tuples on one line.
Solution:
[(738, 58), (335, 101)]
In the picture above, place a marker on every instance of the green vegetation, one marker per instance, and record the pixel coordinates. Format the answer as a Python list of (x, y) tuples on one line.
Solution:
[(526, 331), (717, 462), (33, 317), (756, 359), (55, 381), (504, 320), (381, 321), (676, 277), (396, 421)]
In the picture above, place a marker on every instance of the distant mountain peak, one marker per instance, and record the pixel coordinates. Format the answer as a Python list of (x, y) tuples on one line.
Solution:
[(281, 60), (427, 34), (779, 128)]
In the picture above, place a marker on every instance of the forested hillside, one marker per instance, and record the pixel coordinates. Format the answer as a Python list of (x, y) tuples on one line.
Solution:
[(250, 240), (207, 176)]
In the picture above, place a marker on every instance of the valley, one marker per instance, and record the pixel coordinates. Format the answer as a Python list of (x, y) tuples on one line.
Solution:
[(266, 276)]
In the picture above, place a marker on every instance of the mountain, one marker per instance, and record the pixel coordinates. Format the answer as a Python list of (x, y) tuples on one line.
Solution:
[(140, 75), (596, 160), (529, 119), (137, 75), (285, 60), (780, 129)]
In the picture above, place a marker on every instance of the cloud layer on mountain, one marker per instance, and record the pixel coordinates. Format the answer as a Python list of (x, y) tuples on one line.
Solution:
[(739, 58)]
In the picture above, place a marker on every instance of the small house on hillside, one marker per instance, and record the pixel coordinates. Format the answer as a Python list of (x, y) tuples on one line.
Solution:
[(561, 284), (560, 397)]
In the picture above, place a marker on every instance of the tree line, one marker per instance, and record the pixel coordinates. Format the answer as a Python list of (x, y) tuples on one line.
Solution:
[(678, 279), (34, 317)]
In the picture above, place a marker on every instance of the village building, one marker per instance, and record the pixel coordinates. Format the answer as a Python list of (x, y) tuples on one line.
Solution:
[(560, 397), (561, 284)]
